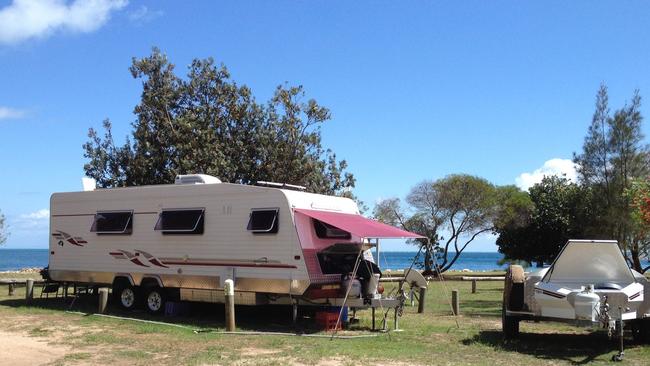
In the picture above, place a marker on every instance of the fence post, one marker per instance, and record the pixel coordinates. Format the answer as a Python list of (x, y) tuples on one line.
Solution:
[(12, 289), (455, 302), (474, 286), (229, 294), (103, 299), (423, 294), (29, 290)]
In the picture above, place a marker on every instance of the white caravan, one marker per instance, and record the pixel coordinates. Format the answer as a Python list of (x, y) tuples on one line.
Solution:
[(589, 283), (182, 241)]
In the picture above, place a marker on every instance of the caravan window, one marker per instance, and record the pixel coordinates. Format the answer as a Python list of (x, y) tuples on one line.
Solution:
[(112, 222), (263, 221), (327, 231), (181, 221)]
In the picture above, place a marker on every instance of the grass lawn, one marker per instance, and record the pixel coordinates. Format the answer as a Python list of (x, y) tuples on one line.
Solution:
[(430, 338)]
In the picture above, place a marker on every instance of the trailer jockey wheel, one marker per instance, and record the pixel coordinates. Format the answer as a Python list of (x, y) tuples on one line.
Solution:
[(154, 299), (513, 299)]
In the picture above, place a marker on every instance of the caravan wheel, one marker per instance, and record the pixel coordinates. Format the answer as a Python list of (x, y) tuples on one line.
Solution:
[(125, 296), (154, 300)]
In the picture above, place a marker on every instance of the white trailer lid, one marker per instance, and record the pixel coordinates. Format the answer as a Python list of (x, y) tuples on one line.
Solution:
[(590, 262)]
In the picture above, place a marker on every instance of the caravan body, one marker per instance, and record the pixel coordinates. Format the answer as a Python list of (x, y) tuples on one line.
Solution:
[(192, 237)]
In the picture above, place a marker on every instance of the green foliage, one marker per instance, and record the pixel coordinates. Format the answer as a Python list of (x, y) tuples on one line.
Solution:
[(613, 156), (461, 205), (536, 225), (638, 195), (3, 233), (207, 123)]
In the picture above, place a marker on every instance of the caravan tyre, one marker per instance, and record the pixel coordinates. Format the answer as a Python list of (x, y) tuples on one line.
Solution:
[(125, 296), (154, 300)]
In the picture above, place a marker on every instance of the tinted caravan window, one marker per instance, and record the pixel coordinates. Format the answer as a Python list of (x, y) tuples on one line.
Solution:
[(113, 222), (263, 221), (181, 221), (327, 231)]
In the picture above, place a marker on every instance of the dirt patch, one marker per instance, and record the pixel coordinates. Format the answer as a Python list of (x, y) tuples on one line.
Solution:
[(18, 350), (259, 351)]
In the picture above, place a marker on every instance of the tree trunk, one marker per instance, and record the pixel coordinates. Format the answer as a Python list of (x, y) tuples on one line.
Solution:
[(636, 261)]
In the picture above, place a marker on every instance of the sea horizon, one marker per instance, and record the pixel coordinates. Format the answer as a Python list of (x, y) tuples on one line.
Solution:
[(14, 259)]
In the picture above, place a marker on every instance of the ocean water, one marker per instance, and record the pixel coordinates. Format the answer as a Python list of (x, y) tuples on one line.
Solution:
[(475, 261), (15, 259)]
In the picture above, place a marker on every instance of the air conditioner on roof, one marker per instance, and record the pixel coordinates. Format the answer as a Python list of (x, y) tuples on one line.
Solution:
[(196, 179)]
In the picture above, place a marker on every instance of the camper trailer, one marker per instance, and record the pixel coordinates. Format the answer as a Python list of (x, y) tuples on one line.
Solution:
[(278, 243), (589, 283)]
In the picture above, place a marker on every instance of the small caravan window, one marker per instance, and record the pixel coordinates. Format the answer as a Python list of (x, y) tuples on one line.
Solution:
[(113, 222), (181, 221), (327, 231), (263, 221)]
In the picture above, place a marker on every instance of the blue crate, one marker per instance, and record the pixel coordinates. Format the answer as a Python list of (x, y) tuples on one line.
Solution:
[(177, 308)]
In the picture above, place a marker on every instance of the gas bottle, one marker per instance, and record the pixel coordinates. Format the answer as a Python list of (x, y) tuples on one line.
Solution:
[(354, 285), (587, 304)]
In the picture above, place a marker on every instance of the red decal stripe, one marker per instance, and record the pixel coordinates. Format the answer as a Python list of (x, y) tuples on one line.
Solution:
[(227, 264), (137, 261), (71, 241), (155, 262)]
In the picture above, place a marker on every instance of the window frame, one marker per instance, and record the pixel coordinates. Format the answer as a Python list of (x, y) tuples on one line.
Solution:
[(326, 226), (275, 225), (193, 231), (128, 227)]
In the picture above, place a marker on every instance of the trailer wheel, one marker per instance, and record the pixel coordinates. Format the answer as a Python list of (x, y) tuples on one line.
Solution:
[(641, 330), (513, 299), (509, 324), (125, 295), (154, 299), (513, 288)]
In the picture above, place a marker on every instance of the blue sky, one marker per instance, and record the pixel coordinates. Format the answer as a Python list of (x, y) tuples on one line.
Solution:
[(417, 89)]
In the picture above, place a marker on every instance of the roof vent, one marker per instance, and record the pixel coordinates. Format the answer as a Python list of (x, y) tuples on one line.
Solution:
[(196, 179)]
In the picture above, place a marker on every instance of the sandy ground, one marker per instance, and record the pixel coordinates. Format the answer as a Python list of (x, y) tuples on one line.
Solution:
[(18, 350)]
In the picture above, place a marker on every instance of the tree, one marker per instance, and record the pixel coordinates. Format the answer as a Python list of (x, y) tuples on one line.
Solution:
[(540, 222), (639, 196), (3, 233), (613, 155), (460, 205), (207, 123)]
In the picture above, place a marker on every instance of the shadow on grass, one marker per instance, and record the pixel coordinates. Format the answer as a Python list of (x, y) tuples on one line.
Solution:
[(576, 349), (201, 316)]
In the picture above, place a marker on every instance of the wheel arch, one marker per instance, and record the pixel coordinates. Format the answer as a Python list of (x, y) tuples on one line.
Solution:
[(151, 280), (123, 278)]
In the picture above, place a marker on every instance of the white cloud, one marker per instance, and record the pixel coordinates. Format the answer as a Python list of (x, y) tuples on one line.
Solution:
[(143, 14), (33, 220), (10, 113), (25, 19), (557, 167)]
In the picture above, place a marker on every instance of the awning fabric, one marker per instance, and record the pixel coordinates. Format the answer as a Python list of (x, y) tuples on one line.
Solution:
[(358, 225)]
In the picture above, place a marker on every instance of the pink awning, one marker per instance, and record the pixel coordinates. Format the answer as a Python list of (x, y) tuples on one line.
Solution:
[(358, 225)]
